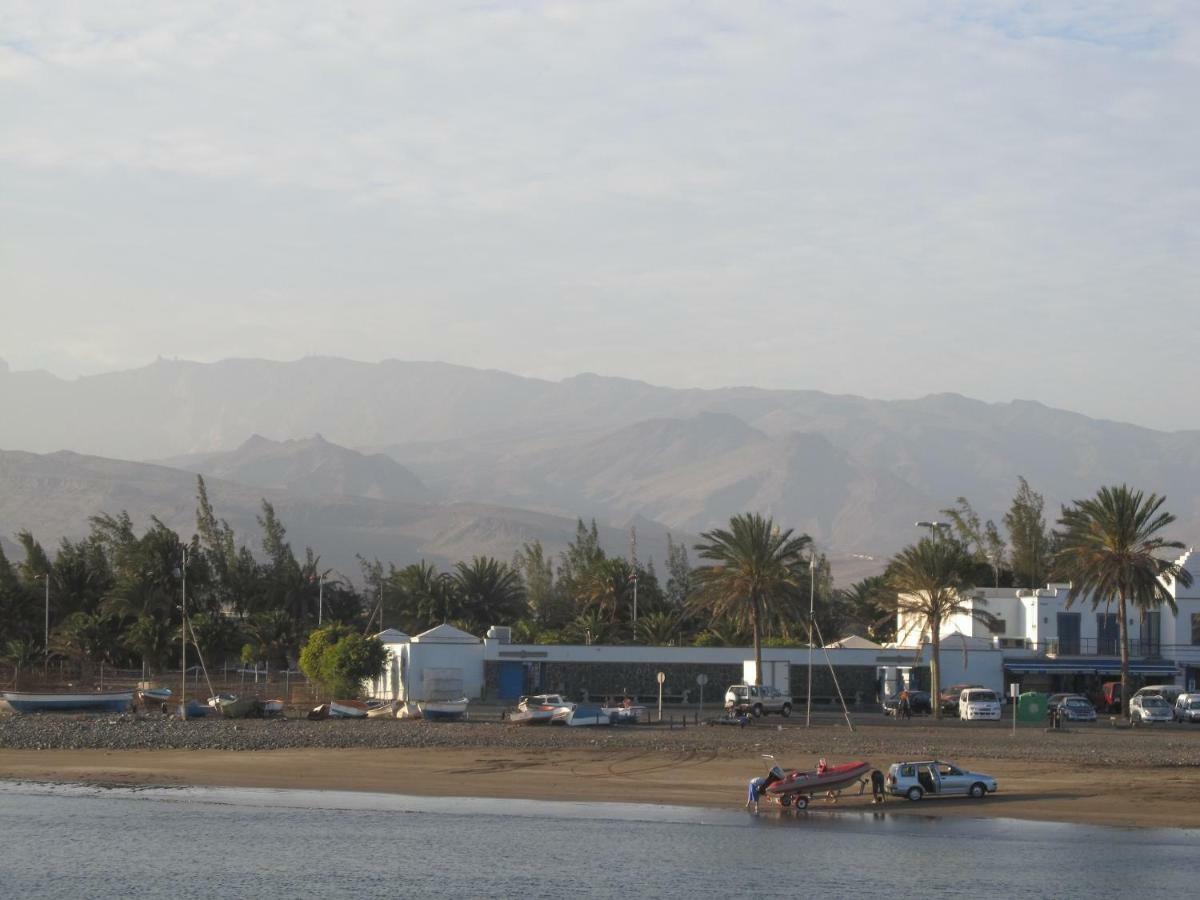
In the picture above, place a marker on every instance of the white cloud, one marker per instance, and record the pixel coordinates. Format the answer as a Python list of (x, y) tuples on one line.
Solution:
[(594, 186)]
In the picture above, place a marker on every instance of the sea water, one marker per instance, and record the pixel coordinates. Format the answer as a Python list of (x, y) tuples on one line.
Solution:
[(88, 842)]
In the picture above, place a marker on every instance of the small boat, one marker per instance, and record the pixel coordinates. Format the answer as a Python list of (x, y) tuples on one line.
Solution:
[(196, 709), (234, 707), (799, 787), (272, 707), (84, 701), (155, 694), (583, 714), (443, 710), (317, 713), (537, 709), (347, 709), (382, 710), (627, 714)]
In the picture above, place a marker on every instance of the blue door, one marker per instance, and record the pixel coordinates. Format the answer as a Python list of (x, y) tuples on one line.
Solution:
[(512, 680)]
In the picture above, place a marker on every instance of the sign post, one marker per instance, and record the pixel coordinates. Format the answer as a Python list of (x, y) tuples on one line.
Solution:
[(702, 680), (1013, 691), (662, 677)]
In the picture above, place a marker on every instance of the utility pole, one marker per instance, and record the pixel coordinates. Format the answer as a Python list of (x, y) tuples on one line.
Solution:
[(634, 562), (320, 597), (812, 593), (183, 645)]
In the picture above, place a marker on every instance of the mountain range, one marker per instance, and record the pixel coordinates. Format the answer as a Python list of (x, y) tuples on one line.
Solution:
[(853, 472)]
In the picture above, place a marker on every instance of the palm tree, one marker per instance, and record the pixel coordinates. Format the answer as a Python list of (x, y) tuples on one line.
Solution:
[(1108, 549), (489, 591), (930, 579), (658, 629), (87, 638), (755, 565)]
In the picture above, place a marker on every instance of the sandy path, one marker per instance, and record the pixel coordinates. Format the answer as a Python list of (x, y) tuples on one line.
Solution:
[(1028, 790)]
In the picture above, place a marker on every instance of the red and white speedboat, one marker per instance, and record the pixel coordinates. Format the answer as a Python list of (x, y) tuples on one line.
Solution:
[(798, 788)]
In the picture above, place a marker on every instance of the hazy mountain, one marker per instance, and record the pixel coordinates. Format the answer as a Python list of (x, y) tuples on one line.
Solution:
[(853, 471), (54, 494), (310, 467)]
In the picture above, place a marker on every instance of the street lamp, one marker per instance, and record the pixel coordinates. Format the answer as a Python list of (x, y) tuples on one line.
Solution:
[(935, 528), (812, 593), (183, 643)]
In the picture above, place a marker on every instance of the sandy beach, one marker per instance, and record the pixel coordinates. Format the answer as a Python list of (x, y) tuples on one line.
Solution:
[(1097, 775)]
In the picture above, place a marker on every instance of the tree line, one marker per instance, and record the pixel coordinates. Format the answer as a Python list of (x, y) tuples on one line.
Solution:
[(115, 595)]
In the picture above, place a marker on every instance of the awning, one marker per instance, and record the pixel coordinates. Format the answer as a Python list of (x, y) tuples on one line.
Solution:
[(1087, 666)]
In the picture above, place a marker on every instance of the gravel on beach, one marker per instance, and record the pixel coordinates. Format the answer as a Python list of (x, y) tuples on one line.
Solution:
[(1100, 744)]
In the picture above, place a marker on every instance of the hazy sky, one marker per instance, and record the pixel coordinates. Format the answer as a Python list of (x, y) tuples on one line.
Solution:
[(1000, 199)]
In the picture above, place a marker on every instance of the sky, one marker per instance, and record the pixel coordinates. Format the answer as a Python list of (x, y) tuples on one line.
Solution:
[(888, 199)]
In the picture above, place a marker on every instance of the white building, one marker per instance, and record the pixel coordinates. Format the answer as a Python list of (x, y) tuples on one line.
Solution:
[(443, 663), (1049, 643)]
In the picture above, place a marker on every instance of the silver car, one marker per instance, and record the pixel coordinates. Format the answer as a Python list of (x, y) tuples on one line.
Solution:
[(757, 700), (915, 780), (1074, 707), (1187, 708), (1148, 708)]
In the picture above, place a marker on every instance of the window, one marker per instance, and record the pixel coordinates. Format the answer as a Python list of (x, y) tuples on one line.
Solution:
[(1196, 629), (997, 626)]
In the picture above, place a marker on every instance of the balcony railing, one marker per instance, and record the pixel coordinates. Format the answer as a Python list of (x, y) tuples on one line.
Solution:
[(1147, 648)]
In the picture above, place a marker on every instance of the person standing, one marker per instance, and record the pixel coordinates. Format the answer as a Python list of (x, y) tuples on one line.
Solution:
[(905, 705)]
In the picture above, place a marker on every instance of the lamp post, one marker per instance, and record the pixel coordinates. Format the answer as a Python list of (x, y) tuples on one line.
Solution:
[(320, 597), (183, 644), (937, 529), (812, 593)]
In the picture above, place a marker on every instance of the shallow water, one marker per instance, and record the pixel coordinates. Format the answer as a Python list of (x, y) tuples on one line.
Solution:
[(77, 841)]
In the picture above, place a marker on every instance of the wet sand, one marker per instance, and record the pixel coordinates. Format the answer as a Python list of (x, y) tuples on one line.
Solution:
[(1041, 790)]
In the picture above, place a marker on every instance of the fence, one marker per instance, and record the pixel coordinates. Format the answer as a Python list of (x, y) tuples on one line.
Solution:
[(290, 686)]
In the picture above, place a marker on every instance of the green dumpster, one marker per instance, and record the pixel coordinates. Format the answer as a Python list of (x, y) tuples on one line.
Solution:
[(1031, 708)]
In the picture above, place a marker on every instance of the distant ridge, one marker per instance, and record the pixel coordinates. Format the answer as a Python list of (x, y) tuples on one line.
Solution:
[(855, 472)]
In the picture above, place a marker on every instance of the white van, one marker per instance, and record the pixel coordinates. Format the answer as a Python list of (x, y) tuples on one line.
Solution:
[(978, 703)]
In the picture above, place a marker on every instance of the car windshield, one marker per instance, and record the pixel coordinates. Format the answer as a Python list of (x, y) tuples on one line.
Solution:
[(1194, 704), (1154, 703), (1078, 703), (981, 697)]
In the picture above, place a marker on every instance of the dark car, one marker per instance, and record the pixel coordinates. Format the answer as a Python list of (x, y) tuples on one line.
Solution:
[(918, 702), (950, 697)]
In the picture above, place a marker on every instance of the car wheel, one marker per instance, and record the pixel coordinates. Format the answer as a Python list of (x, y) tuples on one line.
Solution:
[(978, 790), (786, 711), (914, 793), (757, 710)]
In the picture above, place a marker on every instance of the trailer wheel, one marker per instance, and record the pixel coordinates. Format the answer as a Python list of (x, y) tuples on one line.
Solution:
[(785, 800), (978, 790), (787, 710), (914, 793), (801, 803), (757, 710)]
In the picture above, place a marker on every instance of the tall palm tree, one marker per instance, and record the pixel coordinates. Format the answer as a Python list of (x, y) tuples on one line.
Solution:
[(755, 564), (930, 579), (1108, 549), (489, 592)]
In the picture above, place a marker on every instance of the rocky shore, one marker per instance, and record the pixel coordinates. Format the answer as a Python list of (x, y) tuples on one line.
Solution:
[(1097, 745)]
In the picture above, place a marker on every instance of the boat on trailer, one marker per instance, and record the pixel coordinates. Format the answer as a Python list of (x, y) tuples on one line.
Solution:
[(83, 701), (798, 788)]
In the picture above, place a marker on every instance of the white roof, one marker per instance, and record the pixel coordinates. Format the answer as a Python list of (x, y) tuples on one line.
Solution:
[(445, 634), (854, 642), (392, 636)]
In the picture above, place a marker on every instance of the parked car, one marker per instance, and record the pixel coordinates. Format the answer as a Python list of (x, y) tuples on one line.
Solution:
[(919, 702), (915, 780), (1187, 708), (978, 703), (757, 700), (1074, 707), (1169, 692), (950, 697), (1149, 708)]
